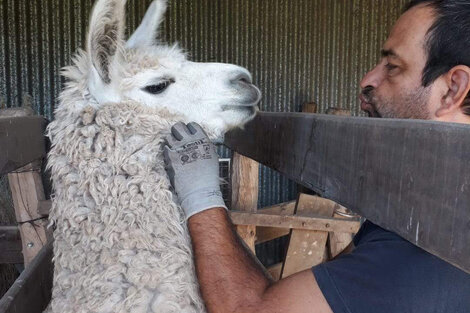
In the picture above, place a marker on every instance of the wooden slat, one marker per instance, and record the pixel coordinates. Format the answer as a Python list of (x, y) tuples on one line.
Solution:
[(264, 234), (338, 111), (295, 221), (307, 247), (285, 208), (27, 191), (21, 141), (245, 180), (411, 177), (10, 245), (310, 107), (31, 292)]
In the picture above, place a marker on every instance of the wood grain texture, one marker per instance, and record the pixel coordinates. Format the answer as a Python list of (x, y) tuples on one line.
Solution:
[(21, 141), (337, 242), (307, 247), (264, 234), (295, 221), (245, 181), (411, 177), (27, 191)]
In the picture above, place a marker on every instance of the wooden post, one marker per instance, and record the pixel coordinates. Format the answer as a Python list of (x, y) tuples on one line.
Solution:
[(245, 181), (338, 111), (310, 107), (27, 191)]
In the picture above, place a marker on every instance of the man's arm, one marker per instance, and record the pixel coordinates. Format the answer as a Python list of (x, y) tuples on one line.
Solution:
[(232, 281), (230, 278)]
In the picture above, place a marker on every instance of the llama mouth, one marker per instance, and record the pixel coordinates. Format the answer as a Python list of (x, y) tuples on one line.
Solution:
[(251, 109)]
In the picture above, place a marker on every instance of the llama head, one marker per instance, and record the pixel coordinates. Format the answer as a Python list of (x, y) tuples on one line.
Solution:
[(217, 96)]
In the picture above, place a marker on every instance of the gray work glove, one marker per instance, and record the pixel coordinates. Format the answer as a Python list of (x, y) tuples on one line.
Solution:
[(192, 165)]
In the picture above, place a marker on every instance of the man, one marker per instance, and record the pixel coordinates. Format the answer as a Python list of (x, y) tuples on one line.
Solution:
[(424, 74)]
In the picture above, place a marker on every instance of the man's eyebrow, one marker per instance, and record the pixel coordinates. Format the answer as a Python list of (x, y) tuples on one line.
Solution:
[(389, 53)]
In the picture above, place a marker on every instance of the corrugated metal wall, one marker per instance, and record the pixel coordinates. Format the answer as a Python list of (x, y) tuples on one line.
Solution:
[(298, 50)]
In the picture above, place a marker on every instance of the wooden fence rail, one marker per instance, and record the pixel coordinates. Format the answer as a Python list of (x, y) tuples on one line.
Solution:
[(411, 177)]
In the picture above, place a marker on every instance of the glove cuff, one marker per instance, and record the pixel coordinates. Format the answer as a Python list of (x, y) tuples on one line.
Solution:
[(202, 200)]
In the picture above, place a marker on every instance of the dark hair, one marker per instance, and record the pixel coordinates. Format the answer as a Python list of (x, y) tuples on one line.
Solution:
[(448, 39)]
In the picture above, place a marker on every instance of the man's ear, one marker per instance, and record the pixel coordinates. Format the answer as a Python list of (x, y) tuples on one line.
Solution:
[(458, 85)]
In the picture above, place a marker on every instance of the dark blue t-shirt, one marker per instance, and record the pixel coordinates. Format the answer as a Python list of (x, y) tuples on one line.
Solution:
[(387, 274)]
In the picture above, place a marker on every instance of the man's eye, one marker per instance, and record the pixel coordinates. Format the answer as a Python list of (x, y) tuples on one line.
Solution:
[(390, 67), (158, 88)]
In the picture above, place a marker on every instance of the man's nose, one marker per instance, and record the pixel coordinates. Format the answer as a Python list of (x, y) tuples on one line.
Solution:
[(372, 78)]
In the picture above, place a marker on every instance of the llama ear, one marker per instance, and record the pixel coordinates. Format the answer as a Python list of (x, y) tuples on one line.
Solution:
[(146, 34), (104, 36)]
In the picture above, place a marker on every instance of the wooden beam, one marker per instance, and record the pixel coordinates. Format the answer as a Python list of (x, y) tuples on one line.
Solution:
[(264, 234), (10, 245), (245, 180), (32, 291), (295, 221), (285, 208), (22, 141), (408, 176), (337, 242)]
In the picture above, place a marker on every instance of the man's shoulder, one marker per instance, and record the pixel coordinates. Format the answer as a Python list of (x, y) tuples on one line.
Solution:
[(385, 273)]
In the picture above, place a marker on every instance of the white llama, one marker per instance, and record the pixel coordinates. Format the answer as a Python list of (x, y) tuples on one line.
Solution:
[(121, 243)]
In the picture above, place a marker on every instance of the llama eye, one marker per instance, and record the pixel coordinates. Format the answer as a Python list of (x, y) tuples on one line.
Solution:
[(158, 88)]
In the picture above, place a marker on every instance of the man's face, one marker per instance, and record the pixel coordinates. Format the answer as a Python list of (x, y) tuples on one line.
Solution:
[(393, 89)]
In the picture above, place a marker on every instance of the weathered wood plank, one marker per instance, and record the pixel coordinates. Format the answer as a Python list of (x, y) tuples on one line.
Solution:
[(21, 141), (27, 191), (32, 291), (264, 234), (408, 176), (245, 180), (295, 221), (10, 245), (307, 247)]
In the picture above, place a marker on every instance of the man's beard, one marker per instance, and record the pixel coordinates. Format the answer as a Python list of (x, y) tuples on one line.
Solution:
[(410, 104)]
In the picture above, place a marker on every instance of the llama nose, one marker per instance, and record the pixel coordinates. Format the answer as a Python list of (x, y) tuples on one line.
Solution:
[(241, 78)]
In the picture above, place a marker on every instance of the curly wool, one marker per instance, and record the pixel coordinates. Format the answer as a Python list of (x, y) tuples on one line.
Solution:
[(121, 243)]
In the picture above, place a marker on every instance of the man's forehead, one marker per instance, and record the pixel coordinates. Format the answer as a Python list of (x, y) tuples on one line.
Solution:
[(408, 36)]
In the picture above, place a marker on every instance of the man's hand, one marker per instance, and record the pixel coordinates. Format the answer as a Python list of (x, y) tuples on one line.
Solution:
[(193, 167)]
